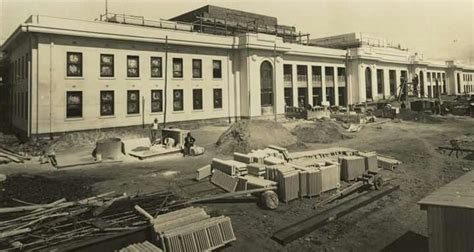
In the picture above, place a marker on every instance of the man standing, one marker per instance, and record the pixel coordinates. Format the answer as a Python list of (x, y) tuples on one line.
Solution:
[(154, 130), (188, 143)]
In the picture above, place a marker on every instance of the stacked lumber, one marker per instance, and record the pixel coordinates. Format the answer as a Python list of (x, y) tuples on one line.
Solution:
[(329, 153), (313, 181), (244, 158), (257, 170), (44, 226), (330, 176), (198, 232), (224, 181), (283, 151), (387, 162), (7, 156), (371, 162), (256, 182), (230, 167), (352, 167), (271, 160), (258, 156), (141, 247)]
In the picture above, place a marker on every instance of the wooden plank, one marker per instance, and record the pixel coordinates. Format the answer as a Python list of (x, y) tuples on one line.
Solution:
[(305, 226)]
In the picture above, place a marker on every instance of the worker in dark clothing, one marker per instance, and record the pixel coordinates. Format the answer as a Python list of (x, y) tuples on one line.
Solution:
[(188, 143), (455, 147)]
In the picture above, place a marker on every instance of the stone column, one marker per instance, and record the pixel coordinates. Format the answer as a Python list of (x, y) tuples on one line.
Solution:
[(294, 85), (336, 87), (310, 85), (323, 82)]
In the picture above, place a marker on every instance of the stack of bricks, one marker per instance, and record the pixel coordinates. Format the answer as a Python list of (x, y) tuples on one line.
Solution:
[(371, 163), (310, 177), (330, 176), (257, 170), (256, 183), (191, 229), (244, 158), (352, 167), (230, 167), (288, 181)]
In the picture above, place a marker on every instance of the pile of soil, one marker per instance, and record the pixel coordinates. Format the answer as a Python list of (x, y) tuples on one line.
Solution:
[(247, 135), (321, 131), (41, 190), (416, 116)]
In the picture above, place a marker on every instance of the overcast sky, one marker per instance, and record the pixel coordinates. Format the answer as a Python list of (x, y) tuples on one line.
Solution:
[(440, 29)]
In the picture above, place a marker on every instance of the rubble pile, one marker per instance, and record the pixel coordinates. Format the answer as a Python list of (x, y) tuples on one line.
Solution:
[(320, 131)]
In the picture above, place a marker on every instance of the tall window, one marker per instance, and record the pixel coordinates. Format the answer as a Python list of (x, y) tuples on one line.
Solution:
[(74, 64), (368, 83), (288, 96), (178, 100), (106, 103), (217, 98), (177, 68), (266, 84), (156, 67), (217, 69), (156, 101), (106, 65), (301, 73), (287, 73), (380, 81), (22, 67), (392, 76), (197, 99), (73, 104), (133, 102), (133, 66), (197, 68)]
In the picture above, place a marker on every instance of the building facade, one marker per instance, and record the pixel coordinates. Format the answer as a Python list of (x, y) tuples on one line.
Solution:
[(63, 75)]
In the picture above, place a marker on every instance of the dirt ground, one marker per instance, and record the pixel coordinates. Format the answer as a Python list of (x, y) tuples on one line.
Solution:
[(371, 228)]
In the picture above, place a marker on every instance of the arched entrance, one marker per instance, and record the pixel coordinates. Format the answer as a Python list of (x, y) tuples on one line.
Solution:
[(266, 84), (422, 84), (368, 83), (459, 83)]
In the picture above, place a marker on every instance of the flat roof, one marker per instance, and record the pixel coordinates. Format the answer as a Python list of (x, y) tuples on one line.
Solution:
[(458, 193)]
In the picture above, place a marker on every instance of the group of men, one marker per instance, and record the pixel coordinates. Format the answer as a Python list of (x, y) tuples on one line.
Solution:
[(189, 140)]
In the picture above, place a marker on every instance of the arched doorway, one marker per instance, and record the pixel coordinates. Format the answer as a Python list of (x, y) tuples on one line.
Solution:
[(368, 83), (266, 84), (422, 84), (459, 83)]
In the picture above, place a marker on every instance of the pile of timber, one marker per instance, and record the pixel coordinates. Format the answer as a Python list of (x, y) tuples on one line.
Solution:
[(7, 156), (42, 227)]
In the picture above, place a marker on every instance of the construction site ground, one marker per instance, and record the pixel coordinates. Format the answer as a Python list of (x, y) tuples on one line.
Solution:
[(371, 228)]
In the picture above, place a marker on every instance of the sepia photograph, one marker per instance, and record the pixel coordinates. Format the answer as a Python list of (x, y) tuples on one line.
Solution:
[(237, 125)]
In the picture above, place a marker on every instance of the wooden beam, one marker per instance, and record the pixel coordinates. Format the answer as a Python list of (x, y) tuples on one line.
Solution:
[(308, 225)]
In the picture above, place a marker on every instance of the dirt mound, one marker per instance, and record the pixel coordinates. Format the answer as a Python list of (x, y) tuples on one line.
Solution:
[(325, 131), (40, 189), (409, 115), (245, 135)]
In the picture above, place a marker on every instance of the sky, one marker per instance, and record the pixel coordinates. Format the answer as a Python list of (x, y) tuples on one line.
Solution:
[(439, 29)]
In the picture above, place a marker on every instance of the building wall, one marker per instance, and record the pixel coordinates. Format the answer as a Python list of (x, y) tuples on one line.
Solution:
[(450, 228), (54, 84)]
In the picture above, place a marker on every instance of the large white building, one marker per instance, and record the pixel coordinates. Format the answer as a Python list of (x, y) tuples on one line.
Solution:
[(64, 74)]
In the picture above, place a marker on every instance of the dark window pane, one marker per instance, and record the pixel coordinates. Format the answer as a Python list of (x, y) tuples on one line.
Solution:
[(177, 68), (217, 98), (197, 99), (133, 66), (106, 65), (178, 100), (197, 68), (156, 101), (74, 64), (106, 103), (74, 104), (156, 69), (217, 69), (133, 102)]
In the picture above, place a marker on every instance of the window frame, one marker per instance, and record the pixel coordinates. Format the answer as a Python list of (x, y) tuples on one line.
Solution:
[(103, 102), (199, 76), (178, 61), (176, 99), (217, 98), (137, 75), (79, 105), (196, 92), (111, 64), (152, 100), (219, 69), (160, 67), (79, 64), (129, 101)]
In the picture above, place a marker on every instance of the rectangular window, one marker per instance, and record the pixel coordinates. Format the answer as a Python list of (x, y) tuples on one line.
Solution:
[(22, 67), (133, 102), (380, 81), (392, 76), (288, 97), (287, 73), (27, 74), (106, 65), (177, 68), (156, 101), (133, 66), (25, 108), (156, 67), (74, 64), (74, 104), (197, 99), (316, 74), (197, 68), (302, 94), (178, 100), (217, 98), (216, 69), (301, 73), (106, 103)]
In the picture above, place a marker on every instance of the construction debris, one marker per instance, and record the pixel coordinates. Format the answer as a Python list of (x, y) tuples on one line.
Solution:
[(141, 247)]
